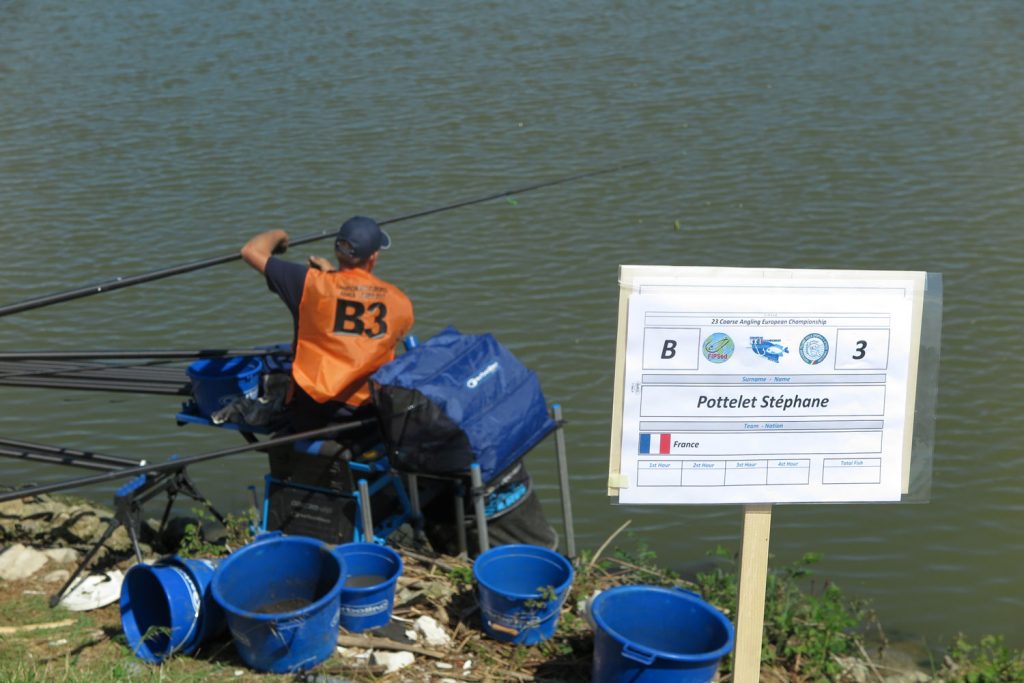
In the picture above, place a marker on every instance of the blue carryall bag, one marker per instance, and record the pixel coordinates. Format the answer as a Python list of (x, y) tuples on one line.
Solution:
[(458, 399)]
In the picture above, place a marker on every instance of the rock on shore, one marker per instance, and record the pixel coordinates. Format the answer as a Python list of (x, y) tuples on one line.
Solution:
[(66, 527)]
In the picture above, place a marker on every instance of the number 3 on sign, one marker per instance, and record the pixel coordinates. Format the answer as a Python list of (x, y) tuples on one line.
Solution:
[(862, 349)]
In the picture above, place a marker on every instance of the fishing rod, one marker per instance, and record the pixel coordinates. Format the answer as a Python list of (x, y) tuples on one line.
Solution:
[(128, 281), (157, 368), (154, 370), (49, 459), (166, 354), (143, 379), (152, 388), (48, 369), (65, 456), (179, 464)]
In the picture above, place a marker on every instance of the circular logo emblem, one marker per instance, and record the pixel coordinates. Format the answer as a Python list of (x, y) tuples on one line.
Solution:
[(718, 348), (813, 348)]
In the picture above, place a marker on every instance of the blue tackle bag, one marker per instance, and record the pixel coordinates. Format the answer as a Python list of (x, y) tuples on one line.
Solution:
[(457, 399)]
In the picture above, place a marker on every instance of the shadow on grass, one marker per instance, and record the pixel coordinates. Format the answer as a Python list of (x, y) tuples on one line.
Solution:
[(570, 661)]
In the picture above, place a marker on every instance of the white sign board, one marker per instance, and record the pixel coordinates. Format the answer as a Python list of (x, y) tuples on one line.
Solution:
[(764, 386)]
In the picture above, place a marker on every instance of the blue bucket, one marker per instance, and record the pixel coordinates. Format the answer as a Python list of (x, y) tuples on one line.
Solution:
[(282, 599), (369, 593), (211, 617), (683, 644), (511, 582), (166, 608), (216, 382)]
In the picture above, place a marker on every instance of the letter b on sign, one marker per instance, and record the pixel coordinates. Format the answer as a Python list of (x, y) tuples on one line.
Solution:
[(671, 348)]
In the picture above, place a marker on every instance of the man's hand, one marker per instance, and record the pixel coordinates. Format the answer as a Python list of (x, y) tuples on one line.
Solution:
[(320, 263)]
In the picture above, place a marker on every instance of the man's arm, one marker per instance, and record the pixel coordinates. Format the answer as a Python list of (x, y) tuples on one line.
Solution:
[(258, 250)]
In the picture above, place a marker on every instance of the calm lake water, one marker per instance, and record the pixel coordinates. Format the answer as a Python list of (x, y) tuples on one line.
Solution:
[(869, 135)]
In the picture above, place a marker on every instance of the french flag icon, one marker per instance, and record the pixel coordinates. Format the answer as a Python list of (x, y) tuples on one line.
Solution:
[(656, 444)]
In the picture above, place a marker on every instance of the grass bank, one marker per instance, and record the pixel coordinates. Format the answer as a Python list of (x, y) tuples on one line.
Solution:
[(813, 632)]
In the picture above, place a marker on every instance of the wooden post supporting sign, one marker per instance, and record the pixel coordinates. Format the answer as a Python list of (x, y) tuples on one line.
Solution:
[(757, 525)]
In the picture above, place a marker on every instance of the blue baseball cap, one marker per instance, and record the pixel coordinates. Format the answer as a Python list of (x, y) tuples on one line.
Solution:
[(363, 235)]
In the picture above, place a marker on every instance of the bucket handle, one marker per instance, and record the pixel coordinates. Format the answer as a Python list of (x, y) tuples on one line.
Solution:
[(643, 656), (501, 628), (285, 631)]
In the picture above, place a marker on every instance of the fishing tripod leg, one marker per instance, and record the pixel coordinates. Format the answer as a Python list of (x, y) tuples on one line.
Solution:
[(111, 527), (133, 521), (167, 512), (127, 512), (184, 484)]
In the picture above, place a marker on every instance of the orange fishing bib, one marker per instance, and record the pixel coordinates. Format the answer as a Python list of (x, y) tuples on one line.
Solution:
[(349, 323)]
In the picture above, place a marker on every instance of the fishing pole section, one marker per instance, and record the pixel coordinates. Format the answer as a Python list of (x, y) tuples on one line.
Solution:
[(131, 280), (103, 371)]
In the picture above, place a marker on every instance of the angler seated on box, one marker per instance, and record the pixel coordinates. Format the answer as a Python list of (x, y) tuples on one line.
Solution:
[(347, 320)]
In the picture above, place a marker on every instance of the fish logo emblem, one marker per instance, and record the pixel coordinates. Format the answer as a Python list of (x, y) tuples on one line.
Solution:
[(772, 349)]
